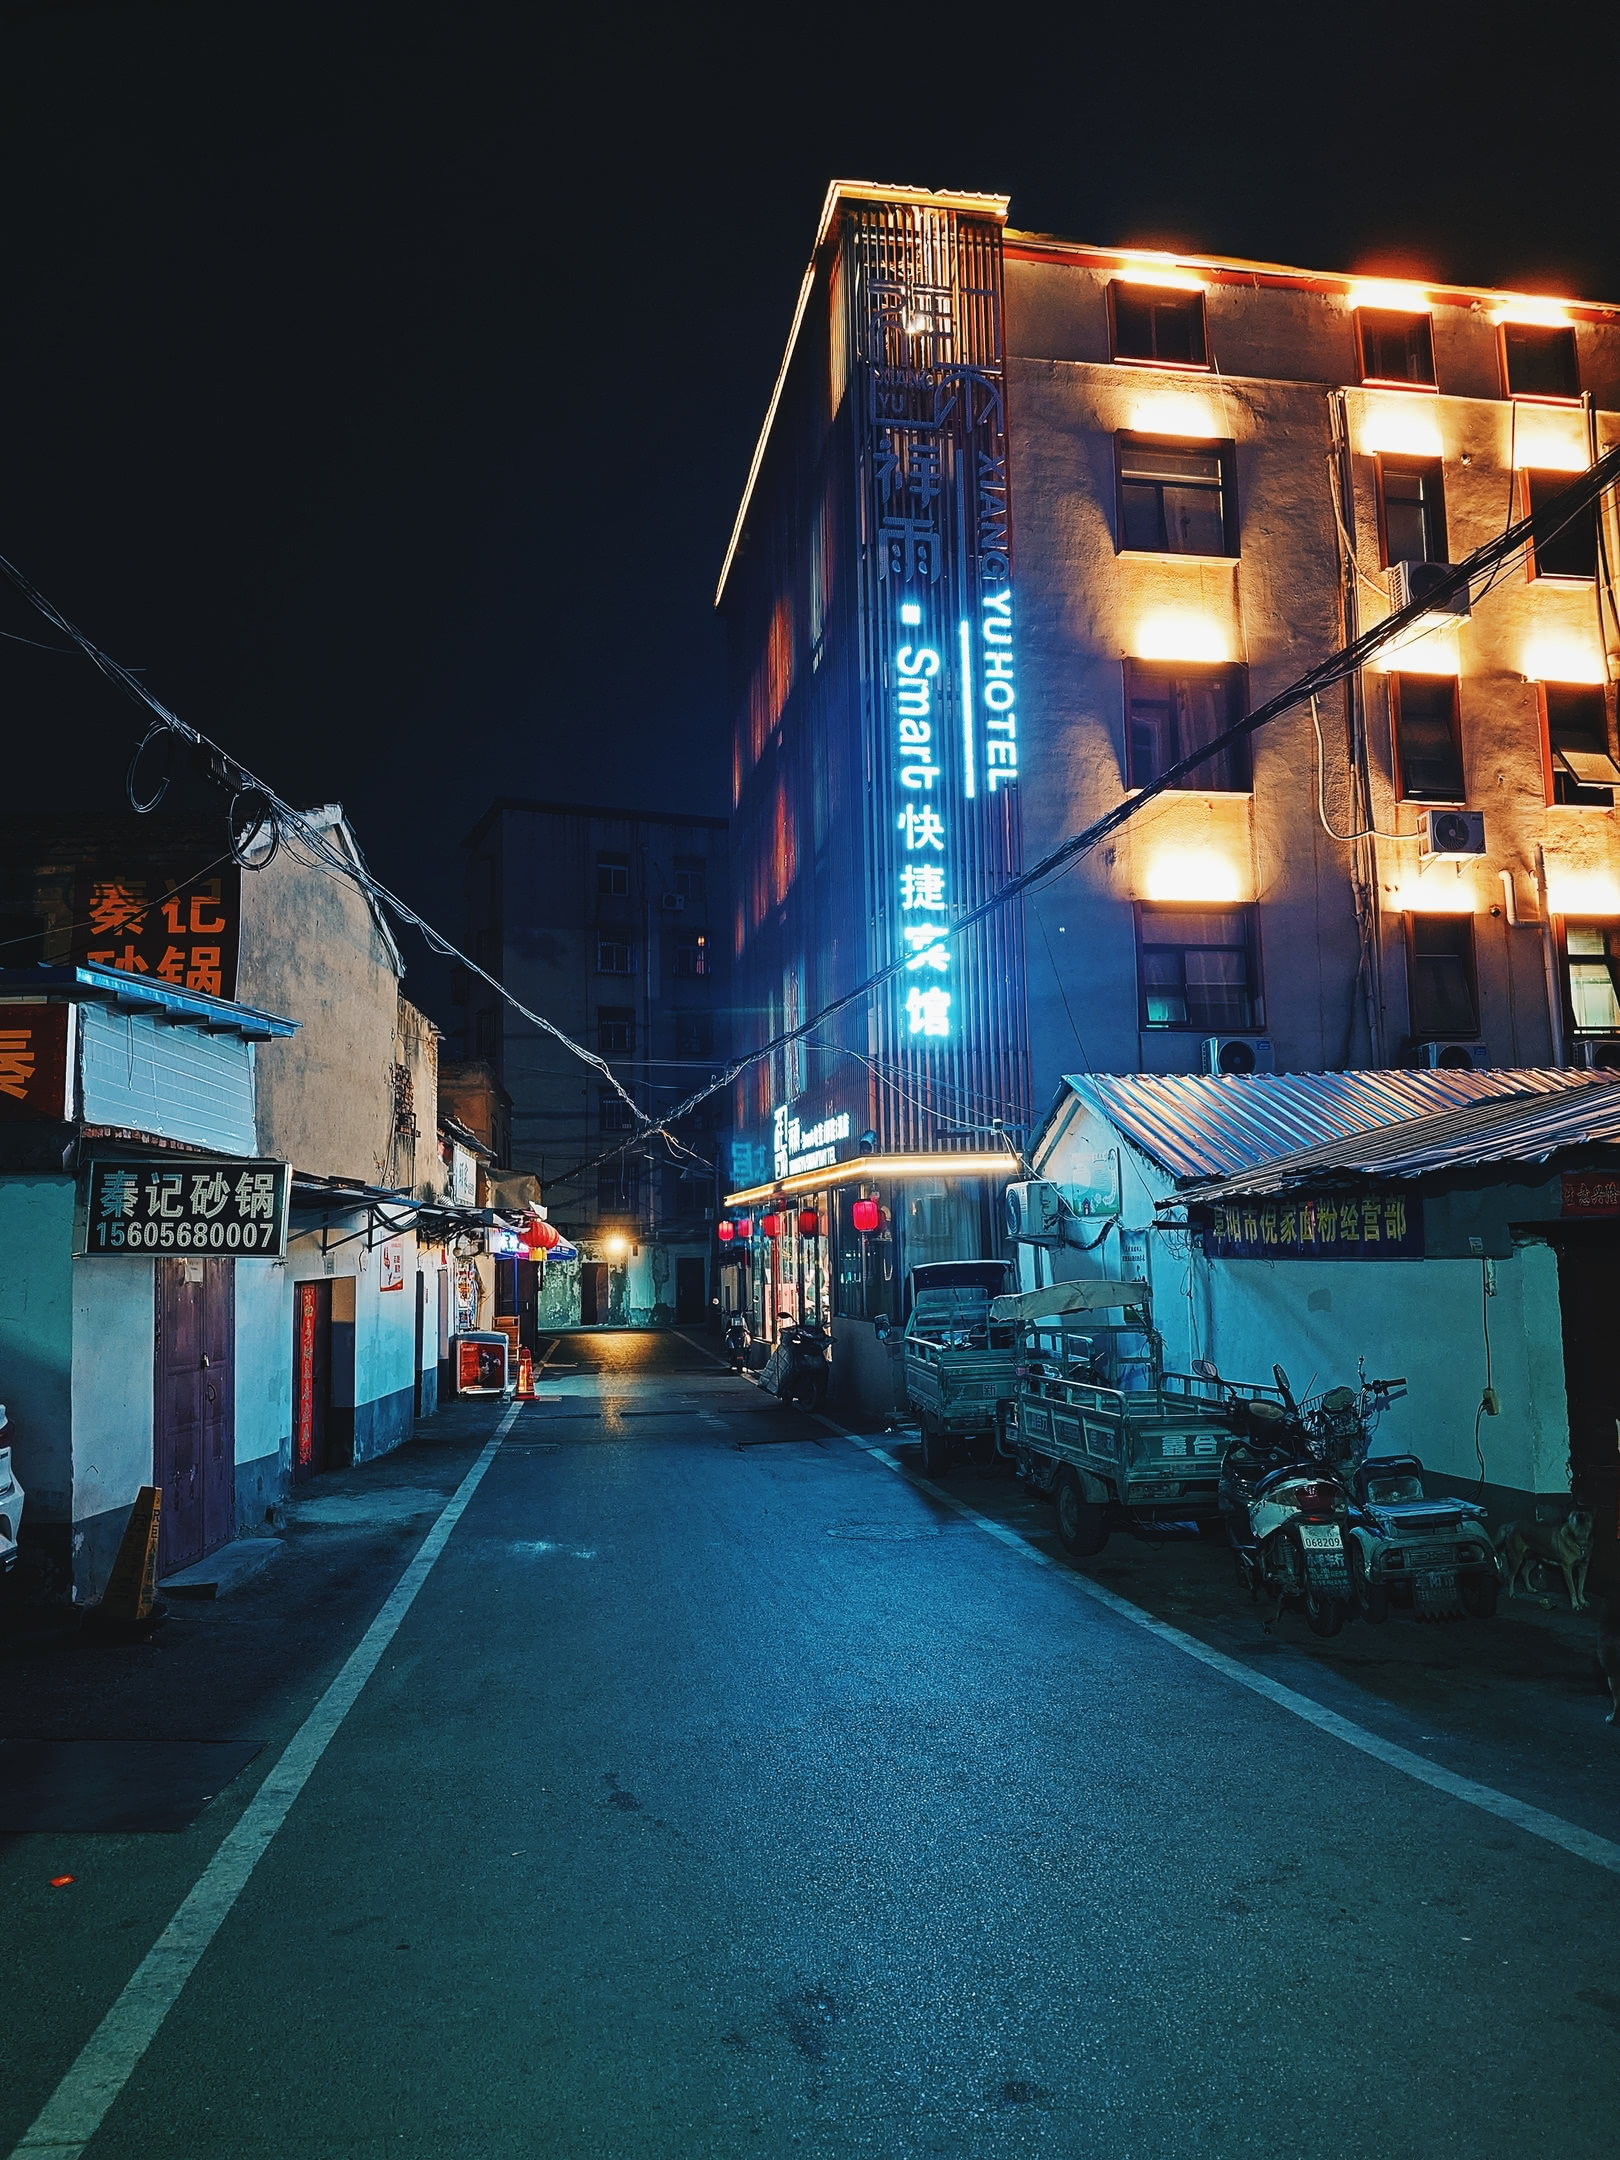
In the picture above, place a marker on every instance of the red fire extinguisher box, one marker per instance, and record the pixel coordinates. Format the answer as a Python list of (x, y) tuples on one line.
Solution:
[(480, 1363)]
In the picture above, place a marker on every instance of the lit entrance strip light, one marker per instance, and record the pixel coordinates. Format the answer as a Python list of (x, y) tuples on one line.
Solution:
[(863, 1168)]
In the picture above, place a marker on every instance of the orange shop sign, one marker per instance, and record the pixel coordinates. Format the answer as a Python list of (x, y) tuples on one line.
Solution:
[(33, 1061)]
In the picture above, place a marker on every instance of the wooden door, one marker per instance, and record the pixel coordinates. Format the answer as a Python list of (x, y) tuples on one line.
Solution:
[(193, 1426), (312, 1376), (592, 1291), (690, 1287)]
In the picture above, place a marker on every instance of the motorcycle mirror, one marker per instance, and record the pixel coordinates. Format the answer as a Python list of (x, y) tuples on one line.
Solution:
[(1204, 1369), (1281, 1378)]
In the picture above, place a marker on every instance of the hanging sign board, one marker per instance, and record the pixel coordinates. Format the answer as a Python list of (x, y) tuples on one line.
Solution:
[(1379, 1225), (187, 1204), (34, 1061), (1589, 1192)]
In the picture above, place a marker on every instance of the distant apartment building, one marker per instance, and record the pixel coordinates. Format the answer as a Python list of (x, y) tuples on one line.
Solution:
[(1030, 520), (612, 924)]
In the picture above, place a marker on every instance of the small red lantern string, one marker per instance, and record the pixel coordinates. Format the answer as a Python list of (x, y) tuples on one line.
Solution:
[(725, 1232), (770, 1225), (866, 1215), (809, 1222)]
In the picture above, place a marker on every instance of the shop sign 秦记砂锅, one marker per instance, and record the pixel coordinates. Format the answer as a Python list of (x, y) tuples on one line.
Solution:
[(1317, 1226), (186, 1204)]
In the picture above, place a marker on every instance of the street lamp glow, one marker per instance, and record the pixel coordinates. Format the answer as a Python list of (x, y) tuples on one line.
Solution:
[(616, 1247)]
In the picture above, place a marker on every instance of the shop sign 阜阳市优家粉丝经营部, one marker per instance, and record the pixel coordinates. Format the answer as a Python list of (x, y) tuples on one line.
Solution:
[(1317, 1226), (139, 1207)]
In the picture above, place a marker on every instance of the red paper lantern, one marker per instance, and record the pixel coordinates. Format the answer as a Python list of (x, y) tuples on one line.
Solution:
[(770, 1225), (866, 1215), (809, 1222), (745, 1226), (725, 1232), (542, 1234)]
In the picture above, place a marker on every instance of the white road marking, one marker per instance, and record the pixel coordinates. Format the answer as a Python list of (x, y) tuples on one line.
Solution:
[(1552, 1829), (74, 2112)]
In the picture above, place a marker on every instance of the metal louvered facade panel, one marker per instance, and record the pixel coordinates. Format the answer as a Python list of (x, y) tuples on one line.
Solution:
[(138, 1074)]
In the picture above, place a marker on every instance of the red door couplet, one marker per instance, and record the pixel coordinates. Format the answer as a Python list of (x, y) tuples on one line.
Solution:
[(312, 1375), (194, 1404)]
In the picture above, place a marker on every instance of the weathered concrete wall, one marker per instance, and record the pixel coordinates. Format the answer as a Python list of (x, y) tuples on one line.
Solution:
[(313, 951), (36, 1342), (416, 1161), (113, 1388)]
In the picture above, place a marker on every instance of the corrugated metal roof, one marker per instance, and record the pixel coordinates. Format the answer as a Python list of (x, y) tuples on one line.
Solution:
[(1212, 1125), (1521, 1129)]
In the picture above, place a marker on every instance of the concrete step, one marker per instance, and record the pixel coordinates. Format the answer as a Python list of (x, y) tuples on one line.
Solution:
[(223, 1571)]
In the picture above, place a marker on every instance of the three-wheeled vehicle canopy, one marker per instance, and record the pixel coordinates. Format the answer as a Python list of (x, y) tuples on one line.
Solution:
[(1091, 1295)]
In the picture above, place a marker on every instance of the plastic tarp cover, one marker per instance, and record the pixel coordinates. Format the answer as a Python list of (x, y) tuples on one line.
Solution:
[(1091, 1295)]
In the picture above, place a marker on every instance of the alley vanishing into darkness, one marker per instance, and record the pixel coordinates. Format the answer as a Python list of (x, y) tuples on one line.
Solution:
[(725, 1792)]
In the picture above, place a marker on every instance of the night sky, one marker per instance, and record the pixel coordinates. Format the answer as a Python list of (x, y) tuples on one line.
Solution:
[(383, 385)]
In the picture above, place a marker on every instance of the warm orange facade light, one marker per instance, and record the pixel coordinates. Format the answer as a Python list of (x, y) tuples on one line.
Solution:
[(1390, 296), (1175, 633)]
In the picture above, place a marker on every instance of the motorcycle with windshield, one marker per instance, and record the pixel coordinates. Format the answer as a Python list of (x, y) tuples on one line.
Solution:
[(1287, 1493)]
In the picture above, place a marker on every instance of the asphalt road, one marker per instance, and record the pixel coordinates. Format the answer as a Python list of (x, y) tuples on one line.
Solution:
[(724, 1792)]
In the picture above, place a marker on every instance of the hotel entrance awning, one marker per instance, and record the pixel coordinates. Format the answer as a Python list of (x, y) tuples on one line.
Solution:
[(872, 1169)]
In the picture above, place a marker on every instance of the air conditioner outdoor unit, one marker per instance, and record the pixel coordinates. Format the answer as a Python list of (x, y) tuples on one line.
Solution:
[(1035, 1213), (1409, 581), (1599, 1053), (672, 902), (1450, 835), (1238, 1054), (1456, 1057)]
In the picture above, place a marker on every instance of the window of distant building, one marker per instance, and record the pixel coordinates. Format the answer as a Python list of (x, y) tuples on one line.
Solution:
[(1440, 972), (1581, 769), (1198, 969), (1175, 498), (692, 877), (618, 1188), (1411, 510), (1571, 551), (1538, 361), (612, 956), (1592, 955), (1428, 738), (615, 1030), (692, 955), (1170, 712), (487, 1035), (614, 1111), (1395, 347), (1155, 322), (613, 874), (694, 1035)]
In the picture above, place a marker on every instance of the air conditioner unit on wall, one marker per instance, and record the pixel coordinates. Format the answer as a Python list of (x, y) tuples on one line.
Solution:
[(1599, 1053), (1409, 581), (1456, 1057), (1035, 1213), (1238, 1054), (1450, 835), (672, 903)]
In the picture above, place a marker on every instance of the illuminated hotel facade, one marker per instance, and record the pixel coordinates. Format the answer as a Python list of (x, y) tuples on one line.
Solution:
[(1030, 520)]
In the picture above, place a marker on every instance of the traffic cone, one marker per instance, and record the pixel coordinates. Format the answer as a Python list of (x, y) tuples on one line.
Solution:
[(128, 1605), (525, 1386)]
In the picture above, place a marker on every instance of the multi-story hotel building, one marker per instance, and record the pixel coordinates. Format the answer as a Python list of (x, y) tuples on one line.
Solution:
[(1030, 520)]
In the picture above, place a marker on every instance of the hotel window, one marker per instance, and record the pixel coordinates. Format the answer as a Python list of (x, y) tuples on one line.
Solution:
[(1411, 510), (1169, 713), (615, 1030), (1428, 739), (691, 877), (1395, 347), (692, 955), (1538, 361), (613, 874), (1152, 322), (614, 1111), (1592, 951), (612, 956), (694, 1035), (1440, 960), (1571, 552), (1198, 968), (1584, 773), (1175, 498)]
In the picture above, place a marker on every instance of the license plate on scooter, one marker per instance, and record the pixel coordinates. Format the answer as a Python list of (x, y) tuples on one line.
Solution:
[(1437, 1582)]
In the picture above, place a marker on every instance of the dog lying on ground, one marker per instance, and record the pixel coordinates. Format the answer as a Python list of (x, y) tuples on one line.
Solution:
[(1609, 1649), (1566, 1545)]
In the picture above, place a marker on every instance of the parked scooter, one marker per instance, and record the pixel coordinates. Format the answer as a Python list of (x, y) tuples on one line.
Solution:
[(1287, 1497), (739, 1337), (799, 1367)]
